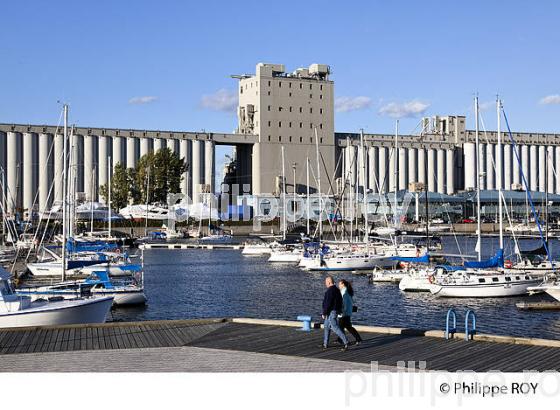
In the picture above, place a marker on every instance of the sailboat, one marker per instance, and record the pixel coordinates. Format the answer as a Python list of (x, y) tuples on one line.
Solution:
[(127, 290), (482, 279), (214, 235), (17, 310)]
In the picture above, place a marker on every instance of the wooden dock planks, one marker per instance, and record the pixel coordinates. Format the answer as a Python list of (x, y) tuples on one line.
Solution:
[(412, 350)]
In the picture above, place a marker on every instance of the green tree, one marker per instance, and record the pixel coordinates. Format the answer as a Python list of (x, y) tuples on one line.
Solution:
[(121, 187), (165, 169)]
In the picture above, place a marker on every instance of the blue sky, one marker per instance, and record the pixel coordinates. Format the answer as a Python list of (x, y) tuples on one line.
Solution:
[(166, 64)]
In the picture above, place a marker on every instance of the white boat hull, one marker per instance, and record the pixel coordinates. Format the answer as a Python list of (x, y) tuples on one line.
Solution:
[(351, 263), (55, 269), (554, 292), (488, 290), (387, 276), (287, 257), (415, 283), (92, 310), (120, 297), (256, 250)]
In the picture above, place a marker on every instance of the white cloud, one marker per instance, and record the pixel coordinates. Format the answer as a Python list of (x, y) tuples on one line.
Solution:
[(221, 100), (142, 100), (345, 104), (406, 109), (485, 106), (550, 99)]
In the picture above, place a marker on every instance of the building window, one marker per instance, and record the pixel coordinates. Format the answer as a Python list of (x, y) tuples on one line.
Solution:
[(301, 124), (311, 125), (279, 124), (321, 140), (269, 83), (310, 86), (300, 109), (269, 137), (290, 109), (320, 96), (279, 138), (310, 110), (321, 126), (321, 87), (310, 95), (300, 139), (289, 85), (300, 85), (241, 90), (269, 108), (320, 110), (269, 93), (269, 123), (280, 84), (290, 138), (311, 140), (279, 108), (290, 94)]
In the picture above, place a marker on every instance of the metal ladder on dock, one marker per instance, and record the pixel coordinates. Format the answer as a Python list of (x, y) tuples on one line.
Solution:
[(451, 330)]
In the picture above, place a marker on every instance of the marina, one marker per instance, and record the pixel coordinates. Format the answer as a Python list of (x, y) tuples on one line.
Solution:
[(294, 205), (198, 283)]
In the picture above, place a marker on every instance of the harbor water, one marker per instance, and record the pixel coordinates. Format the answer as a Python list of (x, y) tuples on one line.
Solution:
[(199, 283)]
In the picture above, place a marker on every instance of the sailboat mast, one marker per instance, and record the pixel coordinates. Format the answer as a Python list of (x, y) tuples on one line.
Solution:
[(307, 183), (319, 185), (147, 202), (364, 196), (109, 195), (91, 188), (283, 196), (396, 170), (499, 172), (64, 191), (477, 147), (350, 166), (546, 197)]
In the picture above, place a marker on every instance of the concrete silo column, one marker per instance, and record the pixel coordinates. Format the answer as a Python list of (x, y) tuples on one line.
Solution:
[(29, 165)]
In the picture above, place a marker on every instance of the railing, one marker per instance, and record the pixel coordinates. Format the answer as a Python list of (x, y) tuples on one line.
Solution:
[(450, 330), (472, 332)]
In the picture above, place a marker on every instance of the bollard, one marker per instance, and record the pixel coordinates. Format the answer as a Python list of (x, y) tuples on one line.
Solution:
[(306, 323)]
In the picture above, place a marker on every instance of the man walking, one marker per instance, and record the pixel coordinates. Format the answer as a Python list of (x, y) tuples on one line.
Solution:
[(332, 306)]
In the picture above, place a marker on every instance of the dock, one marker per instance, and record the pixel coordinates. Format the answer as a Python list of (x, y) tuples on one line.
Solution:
[(249, 345), (189, 246), (538, 305)]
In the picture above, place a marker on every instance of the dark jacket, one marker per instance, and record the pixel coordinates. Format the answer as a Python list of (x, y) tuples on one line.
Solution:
[(332, 301)]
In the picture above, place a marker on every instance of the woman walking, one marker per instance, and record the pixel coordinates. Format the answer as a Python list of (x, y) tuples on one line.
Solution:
[(345, 321)]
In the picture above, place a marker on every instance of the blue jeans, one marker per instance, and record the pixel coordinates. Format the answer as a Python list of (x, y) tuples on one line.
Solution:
[(332, 323)]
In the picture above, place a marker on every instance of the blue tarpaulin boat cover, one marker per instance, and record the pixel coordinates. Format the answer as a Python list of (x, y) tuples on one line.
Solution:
[(450, 268), (496, 261), (88, 246), (419, 259)]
